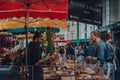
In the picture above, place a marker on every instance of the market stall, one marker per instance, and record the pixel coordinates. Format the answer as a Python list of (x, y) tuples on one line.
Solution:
[(50, 10), (60, 42), (68, 70)]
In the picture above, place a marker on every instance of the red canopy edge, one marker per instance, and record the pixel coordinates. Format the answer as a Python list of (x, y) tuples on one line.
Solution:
[(47, 9), (56, 41)]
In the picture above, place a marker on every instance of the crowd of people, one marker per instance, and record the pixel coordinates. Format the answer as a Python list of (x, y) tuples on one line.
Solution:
[(94, 52)]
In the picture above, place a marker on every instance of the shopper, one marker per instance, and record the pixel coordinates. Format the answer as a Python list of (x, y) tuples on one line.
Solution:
[(70, 53), (110, 59), (81, 51), (99, 49), (20, 58), (117, 71)]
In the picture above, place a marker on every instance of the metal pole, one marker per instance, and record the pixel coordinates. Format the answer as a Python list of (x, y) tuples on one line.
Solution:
[(85, 31), (26, 27), (49, 40), (113, 77), (78, 40), (26, 32)]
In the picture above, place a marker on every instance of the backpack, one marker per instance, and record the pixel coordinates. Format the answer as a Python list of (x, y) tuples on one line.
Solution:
[(109, 55), (118, 53)]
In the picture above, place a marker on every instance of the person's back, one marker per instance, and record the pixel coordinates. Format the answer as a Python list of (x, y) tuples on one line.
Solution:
[(109, 56), (81, 51), (118, 53), (18, 60), (70, 51), (20, 57), (117, 72)]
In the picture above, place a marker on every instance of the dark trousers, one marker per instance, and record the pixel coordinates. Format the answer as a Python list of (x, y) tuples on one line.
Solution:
[(35, 73)]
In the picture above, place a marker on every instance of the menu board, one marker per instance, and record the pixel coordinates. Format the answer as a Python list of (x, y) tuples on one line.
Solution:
[(79, 11)]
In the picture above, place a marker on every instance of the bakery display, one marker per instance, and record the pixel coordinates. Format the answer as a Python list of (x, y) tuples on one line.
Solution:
[(79, 70)]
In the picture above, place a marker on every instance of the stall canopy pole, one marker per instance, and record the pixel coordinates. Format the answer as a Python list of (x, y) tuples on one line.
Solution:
[(26, 27), (78, 40)]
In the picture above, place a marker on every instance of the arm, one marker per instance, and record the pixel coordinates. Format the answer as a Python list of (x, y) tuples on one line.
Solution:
[(40, 61), (101, 52)]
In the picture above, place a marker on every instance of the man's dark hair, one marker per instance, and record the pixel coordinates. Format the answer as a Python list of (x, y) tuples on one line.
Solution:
[(37, 35), (96, 33)]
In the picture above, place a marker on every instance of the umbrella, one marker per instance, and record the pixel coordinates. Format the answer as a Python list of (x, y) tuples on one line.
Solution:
[(39, 22), (33, 8), (37, 8), (19, 9)]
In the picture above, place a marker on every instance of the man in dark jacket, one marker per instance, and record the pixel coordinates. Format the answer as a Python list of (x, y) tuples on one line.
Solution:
[(34, 58)]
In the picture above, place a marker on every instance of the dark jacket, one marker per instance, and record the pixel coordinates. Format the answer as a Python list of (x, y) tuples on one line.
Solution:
[(34, 53), (118, 53), (70, 51), (62, 51), (19, 60), (33, 56)]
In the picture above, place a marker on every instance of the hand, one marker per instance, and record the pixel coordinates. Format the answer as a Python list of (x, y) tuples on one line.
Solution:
[(47, 57), (94, 58), (89, 58)]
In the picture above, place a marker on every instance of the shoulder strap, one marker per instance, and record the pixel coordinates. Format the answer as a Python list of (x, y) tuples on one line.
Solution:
[(108, 45), (118, 48)]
